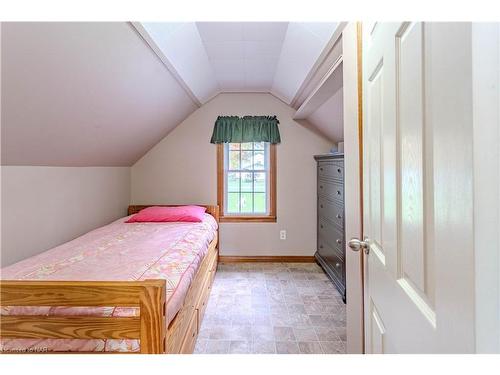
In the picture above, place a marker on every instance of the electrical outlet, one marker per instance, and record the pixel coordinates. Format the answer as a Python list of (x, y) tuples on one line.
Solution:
[(282, 234)]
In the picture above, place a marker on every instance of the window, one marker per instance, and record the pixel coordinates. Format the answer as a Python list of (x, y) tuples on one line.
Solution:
[(247, 181)]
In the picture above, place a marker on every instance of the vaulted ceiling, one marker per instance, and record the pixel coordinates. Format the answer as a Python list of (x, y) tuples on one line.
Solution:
[(102, 94), (213, 57)]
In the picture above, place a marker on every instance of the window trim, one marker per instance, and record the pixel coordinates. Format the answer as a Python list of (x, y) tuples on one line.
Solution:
[(271, 216)]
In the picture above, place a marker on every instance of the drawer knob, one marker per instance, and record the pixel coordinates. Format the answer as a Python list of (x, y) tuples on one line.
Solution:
[(339, 170), (337, 265), (321, 205), (321, 225), (321, 169), (321, 186), (339, 241), (320, 246), (339, 216), (338, 192)]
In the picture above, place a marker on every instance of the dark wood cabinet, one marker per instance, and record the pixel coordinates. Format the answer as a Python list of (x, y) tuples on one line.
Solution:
[(330, 251)]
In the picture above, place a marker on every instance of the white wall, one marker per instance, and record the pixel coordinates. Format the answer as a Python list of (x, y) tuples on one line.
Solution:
[(43, 207), (182, 169)]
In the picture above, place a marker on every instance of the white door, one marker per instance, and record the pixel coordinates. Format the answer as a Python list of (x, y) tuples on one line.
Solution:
[(417, 188)]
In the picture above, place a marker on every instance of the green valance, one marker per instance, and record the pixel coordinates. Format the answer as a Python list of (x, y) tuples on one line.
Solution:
[(234, 129)]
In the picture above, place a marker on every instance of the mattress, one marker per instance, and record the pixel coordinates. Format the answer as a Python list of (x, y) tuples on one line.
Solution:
[(117, 252)]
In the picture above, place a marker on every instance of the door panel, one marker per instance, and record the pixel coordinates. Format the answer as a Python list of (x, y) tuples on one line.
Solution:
[(412, 172), (374, 101), (377, 331), (404, 124)]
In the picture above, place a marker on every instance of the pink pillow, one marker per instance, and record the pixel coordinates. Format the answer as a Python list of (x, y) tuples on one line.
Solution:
[(157, 214)]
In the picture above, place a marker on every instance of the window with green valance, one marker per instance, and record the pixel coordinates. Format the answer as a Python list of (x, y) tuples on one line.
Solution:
[(234, 129)]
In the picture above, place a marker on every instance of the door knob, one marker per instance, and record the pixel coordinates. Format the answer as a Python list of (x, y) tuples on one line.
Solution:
[(356, 244)]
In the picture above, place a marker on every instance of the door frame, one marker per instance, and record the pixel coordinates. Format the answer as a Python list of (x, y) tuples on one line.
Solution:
[(353, 172)]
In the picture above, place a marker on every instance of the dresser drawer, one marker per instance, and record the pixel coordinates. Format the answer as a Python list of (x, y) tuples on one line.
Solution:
[(331, 190), (332, 258), (331, 234), (331, 170), (332, 211)]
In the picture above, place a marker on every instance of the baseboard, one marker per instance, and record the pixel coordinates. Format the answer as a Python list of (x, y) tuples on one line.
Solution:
[(268, 259)]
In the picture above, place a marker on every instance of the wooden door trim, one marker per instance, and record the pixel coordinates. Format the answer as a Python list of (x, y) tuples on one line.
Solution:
[(359, 29)]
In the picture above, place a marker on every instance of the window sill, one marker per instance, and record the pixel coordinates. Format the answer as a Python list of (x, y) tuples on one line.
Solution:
[(248, 219)]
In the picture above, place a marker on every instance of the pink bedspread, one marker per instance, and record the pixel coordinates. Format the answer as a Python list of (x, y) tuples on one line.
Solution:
[(118, 251)]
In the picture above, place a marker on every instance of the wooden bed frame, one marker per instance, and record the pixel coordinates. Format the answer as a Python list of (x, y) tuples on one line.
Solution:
[(148, 295)]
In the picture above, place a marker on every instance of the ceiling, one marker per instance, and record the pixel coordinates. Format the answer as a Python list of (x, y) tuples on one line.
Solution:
[(83, 94), (104, 93), (213, 57), (329, 117), (243, 55)]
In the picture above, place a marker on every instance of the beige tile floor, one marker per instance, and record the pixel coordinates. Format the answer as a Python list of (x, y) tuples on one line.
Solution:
[(273, 308)]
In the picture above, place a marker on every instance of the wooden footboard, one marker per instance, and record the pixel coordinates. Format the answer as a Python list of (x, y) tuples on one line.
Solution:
[(148, 296)]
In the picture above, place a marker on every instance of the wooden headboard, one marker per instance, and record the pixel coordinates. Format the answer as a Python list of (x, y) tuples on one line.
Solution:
[(212, 210)]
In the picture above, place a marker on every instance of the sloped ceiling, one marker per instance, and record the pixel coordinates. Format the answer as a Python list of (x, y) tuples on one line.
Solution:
[(273, 57), (302, 46), (329, 117), (102, 94), (83, 94), (181, 44)]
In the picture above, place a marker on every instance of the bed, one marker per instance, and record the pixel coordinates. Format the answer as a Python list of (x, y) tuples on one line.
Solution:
[(122, 288)]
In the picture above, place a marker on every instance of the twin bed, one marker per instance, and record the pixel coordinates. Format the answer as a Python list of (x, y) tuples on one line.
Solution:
[(124, 287)]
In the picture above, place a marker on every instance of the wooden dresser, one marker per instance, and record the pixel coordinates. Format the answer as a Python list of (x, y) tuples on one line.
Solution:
[(330, 250)]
